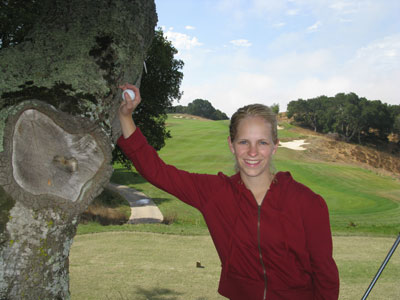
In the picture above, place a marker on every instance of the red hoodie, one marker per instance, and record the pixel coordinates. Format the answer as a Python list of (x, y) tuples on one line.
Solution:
[(281, 249)]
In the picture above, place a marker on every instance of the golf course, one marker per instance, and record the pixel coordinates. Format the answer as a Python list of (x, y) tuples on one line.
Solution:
[(177, 260)]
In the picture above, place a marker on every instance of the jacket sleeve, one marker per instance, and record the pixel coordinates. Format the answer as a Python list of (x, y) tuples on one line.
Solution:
[(319, 243), (191, 188)]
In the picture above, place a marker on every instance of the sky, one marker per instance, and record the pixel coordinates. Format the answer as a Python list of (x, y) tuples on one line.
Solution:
[(238, 52)]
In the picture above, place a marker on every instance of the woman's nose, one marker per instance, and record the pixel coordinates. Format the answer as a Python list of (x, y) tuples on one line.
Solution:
[(253, 150)]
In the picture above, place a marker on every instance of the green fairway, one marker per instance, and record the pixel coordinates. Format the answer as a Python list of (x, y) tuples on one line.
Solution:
[(360, 201)]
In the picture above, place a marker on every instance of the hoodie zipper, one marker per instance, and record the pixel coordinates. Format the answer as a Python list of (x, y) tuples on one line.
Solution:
[(260, 252)]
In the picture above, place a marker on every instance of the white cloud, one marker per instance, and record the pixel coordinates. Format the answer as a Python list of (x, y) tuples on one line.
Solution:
[(383, 54), (312, 87), (262, 7), (279, 25), (346, 7), (188, 27), (182, 41), (315, 26), (246, 79), (292, 12), (231, 91), (299, 65), (374, 71), (344, 20), (241, 43), (293, 65)]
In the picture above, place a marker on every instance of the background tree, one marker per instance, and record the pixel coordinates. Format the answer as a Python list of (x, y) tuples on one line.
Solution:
[(395, 114), (160, 86), (202, 108), (219, 115), (275, 108), (298, 110), (60, 66), (396, 125), (377, 122), (353, 118), (177, 109), (349, 123)]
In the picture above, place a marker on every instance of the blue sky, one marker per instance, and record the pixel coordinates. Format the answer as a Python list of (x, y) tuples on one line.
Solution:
[(238, 52)]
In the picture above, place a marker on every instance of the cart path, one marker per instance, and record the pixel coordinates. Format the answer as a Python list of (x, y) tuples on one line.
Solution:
[(143, 209)]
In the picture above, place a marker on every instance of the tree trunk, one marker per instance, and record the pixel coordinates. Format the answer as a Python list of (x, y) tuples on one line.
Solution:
[(52, 166), (54, 159), (77, 54)]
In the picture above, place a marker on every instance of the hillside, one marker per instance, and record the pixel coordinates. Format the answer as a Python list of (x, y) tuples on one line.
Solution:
[(361, 199), (325, 148)]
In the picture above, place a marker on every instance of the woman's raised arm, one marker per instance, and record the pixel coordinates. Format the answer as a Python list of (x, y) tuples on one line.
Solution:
[(126, 109)]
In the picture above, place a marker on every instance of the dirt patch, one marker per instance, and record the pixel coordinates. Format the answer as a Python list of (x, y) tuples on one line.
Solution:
[(327, 149), (189, 117)]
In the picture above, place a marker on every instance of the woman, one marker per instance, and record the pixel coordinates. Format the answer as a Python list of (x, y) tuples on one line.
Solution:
[(271, 233)]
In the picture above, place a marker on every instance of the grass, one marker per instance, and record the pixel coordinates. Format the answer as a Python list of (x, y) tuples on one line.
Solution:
[(139, 266), (360, 201), (368, 201), (127, 262)]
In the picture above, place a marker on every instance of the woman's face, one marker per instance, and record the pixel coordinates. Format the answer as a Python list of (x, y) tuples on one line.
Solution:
[(253, 147)]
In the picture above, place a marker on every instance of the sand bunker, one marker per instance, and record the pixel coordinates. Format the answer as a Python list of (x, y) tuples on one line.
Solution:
[(294, 145)]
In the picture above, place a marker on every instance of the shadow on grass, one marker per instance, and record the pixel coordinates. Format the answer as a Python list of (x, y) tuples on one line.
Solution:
[(158, 294), (158, 201), (126, 177), (161, 294)]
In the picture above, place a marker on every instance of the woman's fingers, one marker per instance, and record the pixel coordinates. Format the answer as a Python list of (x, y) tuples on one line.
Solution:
[(128, 104)]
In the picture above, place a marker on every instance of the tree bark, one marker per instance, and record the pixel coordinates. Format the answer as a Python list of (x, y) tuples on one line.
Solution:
[(55, 150), (80, 51), (51, 167)]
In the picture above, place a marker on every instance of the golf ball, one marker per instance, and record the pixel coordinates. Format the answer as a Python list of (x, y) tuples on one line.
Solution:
[(130, 93)]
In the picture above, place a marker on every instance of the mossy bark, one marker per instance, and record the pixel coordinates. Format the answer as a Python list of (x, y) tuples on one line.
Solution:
[(80, 51), (55, 150)]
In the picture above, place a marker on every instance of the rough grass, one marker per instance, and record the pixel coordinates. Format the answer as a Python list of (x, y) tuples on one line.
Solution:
[(134, 265), (108, 208)]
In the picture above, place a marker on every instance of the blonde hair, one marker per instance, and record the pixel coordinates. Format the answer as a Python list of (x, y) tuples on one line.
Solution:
[(254, 110)]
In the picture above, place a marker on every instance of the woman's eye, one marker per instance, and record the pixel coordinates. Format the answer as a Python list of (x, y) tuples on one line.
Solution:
[(243, 142), (263, 143)]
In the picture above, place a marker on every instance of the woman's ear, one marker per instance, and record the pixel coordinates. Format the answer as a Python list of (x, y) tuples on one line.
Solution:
[(231, 145), (275, 147)]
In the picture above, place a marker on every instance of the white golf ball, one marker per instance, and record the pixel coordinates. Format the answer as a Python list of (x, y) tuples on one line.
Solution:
[(130, 93)]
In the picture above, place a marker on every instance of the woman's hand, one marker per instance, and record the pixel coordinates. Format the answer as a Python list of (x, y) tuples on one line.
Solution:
[(126, 109), (127, 105)]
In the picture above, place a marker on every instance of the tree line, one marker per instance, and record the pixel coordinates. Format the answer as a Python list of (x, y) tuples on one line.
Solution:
[(350, 117), (200, 107)]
